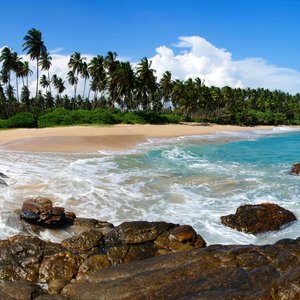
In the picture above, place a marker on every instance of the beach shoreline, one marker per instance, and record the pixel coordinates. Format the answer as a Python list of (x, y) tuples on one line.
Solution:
[(87, 139)]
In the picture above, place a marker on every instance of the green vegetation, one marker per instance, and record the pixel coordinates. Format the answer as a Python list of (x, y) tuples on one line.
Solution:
[(116, 92)]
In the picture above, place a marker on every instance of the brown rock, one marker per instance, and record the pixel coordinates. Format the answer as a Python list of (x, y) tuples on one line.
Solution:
[(92, 264), (295, 169), (258, 218), (214, 272), (21, 290), (59, 269), (85, 241)]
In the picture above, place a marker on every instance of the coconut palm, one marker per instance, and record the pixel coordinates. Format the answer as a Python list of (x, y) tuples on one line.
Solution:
[(7, 59), (45, 63), (166, 87), (25, 72), (76, 65), (44, 82), (97, 73), (147, 86), (34, 47), (85, 75)]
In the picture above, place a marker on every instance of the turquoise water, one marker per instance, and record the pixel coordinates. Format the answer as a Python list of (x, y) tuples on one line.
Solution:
[(188, 180)]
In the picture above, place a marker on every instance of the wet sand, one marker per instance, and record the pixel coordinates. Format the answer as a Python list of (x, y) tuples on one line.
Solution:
[(92, 138)]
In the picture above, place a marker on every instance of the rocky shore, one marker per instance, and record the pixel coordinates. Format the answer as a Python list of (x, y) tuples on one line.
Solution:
[(146, 260)]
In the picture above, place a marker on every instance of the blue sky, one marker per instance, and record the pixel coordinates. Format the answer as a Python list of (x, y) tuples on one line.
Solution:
[(267, 29)]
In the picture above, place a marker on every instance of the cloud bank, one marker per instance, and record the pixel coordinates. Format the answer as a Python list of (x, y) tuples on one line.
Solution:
[(193, 56), (200, 58)]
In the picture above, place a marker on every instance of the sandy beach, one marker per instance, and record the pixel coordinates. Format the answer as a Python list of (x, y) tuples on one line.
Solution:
[(93, 138)]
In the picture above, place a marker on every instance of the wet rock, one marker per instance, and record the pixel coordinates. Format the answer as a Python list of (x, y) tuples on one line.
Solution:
[(214, 272), (21, 290), (92, 264), (180, 238), (21, 258), (2, 182), (85, 241), (40, 211), (59, 269), (295, 169), (3, 175), (258, 218)]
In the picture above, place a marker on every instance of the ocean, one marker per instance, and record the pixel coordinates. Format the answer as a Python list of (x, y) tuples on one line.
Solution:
[(187, 180)]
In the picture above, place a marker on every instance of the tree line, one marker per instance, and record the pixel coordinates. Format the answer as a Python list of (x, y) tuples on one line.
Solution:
[(110, 84)]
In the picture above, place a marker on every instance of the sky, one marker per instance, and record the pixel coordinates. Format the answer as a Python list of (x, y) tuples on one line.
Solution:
[(239, 43)]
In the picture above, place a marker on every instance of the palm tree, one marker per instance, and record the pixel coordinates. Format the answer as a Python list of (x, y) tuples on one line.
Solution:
[(34, 47), (73, 80), (45, 63), (97, 73), (146, 82), (8, 61), (25, 72), (166, 87), (122, 83), (85, 75), (76, 65), (44, 82)]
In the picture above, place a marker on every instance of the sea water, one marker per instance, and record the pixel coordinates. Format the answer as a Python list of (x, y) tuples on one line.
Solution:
[(187, 180)]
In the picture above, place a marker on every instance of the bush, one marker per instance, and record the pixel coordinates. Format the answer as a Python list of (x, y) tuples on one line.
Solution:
[(132, 118), (57, 117), (20, 120)]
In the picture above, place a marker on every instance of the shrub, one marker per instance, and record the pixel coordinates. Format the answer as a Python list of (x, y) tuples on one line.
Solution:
[(21, 120)]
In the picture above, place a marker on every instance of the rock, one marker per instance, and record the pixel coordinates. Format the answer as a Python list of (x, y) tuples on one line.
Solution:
[(85, 241), (295, 169), (180, 238), (21, 258), (59, 269), (21, 290), (92, 264), (40, 211), (214, 272), (3, 175), (2, 182), (258, 218)]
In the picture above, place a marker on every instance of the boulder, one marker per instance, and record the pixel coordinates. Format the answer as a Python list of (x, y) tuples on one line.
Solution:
[(258, 218), (85, 241), (41, 212), (2, 182), (21, 290), (214, 272), (3, 175), (295, 169)]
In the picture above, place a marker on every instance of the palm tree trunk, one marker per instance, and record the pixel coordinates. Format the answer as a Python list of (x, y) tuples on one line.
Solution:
[(17, 87), (84, 88), (49, 81), (37, 76)]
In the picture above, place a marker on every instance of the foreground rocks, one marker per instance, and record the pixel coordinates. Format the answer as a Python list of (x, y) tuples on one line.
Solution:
[(295, 169), (100, 261), (216, 272), (258, 218), (99, 246), (269, 272)]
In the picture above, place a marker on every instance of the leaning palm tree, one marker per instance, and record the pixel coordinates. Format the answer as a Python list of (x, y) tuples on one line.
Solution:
[(34, 47), (45, 63)]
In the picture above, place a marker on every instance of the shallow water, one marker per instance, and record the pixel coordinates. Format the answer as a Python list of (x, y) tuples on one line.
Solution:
[(187, 180)]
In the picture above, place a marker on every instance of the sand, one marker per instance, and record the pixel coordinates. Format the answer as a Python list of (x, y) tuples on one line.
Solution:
[(92, 138)]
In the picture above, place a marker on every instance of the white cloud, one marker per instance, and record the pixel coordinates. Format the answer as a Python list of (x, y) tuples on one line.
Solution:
[(216, 67), (193, 56)]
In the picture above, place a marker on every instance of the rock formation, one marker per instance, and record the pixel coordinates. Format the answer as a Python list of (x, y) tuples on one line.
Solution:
[(258, 218), (295, 169)]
